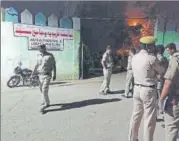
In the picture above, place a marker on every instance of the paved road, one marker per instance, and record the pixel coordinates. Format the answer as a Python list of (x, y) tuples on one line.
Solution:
[(78, 113)]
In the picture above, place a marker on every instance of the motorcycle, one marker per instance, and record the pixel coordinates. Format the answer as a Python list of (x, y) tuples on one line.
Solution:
[(23, 75)]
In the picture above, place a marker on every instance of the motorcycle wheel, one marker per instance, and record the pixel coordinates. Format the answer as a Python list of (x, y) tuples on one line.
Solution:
[(13, 81)]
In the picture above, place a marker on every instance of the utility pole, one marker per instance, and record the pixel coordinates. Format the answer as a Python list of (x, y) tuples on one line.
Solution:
[(82, 61)]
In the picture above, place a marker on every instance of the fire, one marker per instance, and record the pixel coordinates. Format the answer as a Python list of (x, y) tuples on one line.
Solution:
[(135, 15), (132, 22), (147, 29), (123, 52)]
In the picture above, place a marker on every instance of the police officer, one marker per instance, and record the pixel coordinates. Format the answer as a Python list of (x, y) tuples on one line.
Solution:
[(145, 67), (171, 49), (45, 65), (171, 92), (129, 77), (107, 63), (164, 62), (160, 51)]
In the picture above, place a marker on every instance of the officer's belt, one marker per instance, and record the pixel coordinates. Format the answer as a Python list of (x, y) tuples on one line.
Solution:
[(151, 86)]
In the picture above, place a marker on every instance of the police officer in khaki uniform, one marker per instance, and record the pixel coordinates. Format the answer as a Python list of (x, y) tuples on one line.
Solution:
[(107, 63), (145, 67), (171, 92), (45, 65), (129, 77), (171, 49)]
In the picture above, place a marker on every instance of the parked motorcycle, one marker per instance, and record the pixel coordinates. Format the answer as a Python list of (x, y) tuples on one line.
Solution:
[(23, 75)]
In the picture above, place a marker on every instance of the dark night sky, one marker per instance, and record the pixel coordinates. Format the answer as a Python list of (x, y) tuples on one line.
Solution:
[(56, 7), (47, 7), (59, 8)]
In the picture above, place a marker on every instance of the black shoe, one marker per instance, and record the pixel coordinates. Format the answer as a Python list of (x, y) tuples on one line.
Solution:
[(110, 92), (163, 125), (102, 93), (42, 110), (125, 96)]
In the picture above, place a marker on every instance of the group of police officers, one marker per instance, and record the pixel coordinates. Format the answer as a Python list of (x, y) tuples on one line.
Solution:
[(154, 85), (147, 74)]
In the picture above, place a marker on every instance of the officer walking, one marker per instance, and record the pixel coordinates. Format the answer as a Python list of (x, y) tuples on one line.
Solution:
[(45, 65), (145, 67), (129, 77), (107, 63), (171, 92)]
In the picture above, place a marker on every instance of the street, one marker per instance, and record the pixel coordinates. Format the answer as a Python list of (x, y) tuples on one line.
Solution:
[(78, 113)]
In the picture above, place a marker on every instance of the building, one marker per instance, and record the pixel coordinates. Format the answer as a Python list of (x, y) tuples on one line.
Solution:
[(22, 32)]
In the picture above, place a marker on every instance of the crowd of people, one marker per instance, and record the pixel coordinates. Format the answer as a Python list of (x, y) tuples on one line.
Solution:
[(153, 81)]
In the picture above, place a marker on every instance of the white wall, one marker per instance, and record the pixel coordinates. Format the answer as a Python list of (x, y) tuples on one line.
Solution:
[(14, 49)]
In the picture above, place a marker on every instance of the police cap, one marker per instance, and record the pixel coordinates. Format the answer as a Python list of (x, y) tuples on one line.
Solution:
[(148, 40)]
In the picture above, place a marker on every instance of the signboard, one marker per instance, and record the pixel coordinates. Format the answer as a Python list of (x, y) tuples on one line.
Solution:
[(51, 44), (52, 37)]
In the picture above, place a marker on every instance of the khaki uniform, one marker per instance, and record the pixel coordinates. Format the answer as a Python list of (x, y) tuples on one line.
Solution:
[(172, 104), (129, 78), (160, 82), (45, 66), (107, 72), (164, 62), (145, 68)]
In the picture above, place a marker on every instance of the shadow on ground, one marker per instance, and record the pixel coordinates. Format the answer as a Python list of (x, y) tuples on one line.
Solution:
[(51, 83), (160, 120), (80, 104), (118, 92), (61, 84), (57, 83)]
